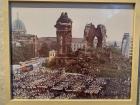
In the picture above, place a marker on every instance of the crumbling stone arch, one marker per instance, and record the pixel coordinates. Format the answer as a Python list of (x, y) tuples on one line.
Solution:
[(91, 32)]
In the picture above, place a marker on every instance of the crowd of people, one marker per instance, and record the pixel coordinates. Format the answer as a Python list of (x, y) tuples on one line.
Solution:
[(45, 83), (55, 84)]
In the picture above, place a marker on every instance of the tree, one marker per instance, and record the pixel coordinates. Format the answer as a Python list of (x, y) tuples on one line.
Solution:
[(22, 53), (44, 50), (115, 44)]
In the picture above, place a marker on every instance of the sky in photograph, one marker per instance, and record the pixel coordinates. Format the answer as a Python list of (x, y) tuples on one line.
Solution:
[(40, 18)]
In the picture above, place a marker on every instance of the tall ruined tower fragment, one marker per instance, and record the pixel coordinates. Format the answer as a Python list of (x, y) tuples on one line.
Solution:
[(89, 35), (101, 35), (64, 34)]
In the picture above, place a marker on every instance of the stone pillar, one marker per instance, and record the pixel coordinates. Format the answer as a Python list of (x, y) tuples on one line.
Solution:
[(101, 35), (89, 34)]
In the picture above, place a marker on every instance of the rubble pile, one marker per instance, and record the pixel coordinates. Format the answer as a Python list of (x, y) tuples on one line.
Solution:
[(89, 63)]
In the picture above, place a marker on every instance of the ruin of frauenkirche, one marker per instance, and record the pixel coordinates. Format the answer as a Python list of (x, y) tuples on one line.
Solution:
[(64, 37)]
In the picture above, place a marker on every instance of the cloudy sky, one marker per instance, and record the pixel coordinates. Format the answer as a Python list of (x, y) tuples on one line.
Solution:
[(40, 18)]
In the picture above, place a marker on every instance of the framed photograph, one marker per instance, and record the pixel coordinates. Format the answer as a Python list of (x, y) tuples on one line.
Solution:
[(71, 52)]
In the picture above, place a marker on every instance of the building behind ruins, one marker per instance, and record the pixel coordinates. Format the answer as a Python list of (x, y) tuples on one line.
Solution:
[(126, 45), (20, 38), (77, 43), (52, 55)]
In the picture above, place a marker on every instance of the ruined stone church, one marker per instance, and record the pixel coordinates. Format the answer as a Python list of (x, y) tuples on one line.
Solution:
[(64, 35)]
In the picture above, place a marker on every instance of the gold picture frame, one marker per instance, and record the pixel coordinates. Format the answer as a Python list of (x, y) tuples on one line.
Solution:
[(6, 59)]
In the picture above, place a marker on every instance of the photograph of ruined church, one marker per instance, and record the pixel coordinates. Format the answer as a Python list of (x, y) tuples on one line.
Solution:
[(73, 55)]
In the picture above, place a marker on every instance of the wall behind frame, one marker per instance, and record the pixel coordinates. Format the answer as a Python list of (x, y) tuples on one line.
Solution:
[(2, 89)]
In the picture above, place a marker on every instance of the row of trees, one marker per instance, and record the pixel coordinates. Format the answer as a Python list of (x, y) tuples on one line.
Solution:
[(26, 51), (21, 53)]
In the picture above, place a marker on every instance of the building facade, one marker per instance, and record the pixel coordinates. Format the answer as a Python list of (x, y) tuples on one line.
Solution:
[(52, 55), (126, 45), (21, 39)]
